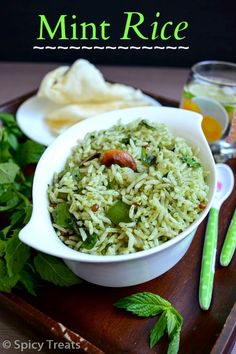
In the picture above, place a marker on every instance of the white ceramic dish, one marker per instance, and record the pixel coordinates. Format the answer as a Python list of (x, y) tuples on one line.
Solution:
[(121, 270), (31, 115)]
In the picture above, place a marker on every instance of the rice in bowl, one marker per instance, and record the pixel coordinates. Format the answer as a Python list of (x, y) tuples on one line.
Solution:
[(127, 189)]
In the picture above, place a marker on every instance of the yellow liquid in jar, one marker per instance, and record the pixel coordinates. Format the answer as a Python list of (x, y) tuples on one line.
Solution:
[(215, 103)]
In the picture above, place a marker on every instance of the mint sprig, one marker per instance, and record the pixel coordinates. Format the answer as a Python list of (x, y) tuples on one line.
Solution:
[(147, 304), (20, 266)]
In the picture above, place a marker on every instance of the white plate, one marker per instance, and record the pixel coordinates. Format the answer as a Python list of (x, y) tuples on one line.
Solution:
[(30, 118)]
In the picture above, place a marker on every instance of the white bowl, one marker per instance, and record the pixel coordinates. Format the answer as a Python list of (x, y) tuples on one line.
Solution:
[(120, 270)]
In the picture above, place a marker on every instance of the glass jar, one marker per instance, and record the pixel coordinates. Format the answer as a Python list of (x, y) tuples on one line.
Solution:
[(211, 91)]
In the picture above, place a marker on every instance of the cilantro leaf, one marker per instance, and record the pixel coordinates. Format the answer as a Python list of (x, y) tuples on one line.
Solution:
[(190, 161), (54, 270), (8, 172), (143, 304), (17, 254)]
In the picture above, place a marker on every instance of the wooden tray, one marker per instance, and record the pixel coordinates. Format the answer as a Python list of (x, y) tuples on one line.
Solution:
[(85, 315)]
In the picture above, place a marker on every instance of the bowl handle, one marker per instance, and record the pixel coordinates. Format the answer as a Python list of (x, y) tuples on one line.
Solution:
[(41, 237)]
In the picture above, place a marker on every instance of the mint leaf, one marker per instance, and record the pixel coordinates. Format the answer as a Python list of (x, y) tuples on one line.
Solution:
[(143, 304), (8, 172), (27, 214), (7, 118), (3, 269), (173, 347), (54, 270), (179, 318), (7, 283), (29, 152), (148, 305), (8, 197), (13, 142), (16, 265), (171, 323), (17, 217), (17, 254), (158, 330), (27, 280), (2, 248)]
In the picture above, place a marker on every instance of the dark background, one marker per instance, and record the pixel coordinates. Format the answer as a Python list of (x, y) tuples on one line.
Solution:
[(211, 33)]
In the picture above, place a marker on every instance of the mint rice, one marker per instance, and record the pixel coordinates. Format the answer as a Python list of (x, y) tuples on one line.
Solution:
[(110, 207)]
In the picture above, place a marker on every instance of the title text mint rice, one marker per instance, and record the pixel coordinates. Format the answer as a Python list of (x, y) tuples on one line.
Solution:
[(126, 189)]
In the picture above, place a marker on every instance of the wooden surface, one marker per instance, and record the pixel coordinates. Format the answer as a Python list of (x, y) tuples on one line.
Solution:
[(114, 328)]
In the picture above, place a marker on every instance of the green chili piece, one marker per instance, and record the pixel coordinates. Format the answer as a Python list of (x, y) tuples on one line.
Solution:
[(61, 215), (119, 212)]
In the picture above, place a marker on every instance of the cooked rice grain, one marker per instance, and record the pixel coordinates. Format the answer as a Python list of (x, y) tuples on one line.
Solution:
[(163, 197)]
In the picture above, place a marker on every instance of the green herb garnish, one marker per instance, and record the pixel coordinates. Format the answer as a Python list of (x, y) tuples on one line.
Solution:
[(75, 172), (144, 123), (147, 304), (126, 140), (19, 265), (73, 225), (90, 242), (190, 161), (148, 159)]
